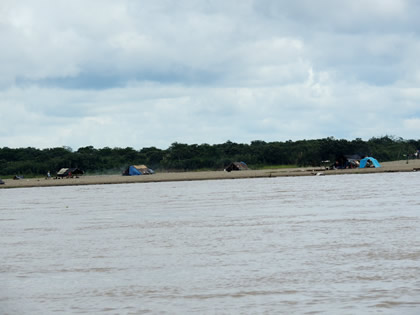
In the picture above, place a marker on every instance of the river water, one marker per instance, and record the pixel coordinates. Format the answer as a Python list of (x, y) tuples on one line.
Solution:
[(344, 244)]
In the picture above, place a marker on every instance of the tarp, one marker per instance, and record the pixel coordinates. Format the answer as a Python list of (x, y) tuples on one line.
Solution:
[(364, 161), (66, 172), (144, 170), (346, 161), (236, 166), (62, 171), (132, 171)]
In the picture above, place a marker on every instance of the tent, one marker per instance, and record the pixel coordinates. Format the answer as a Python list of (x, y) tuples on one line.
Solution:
[(64, 172), (369, 161), (346, 161), (1, 182), (134, 170), (236, 166)]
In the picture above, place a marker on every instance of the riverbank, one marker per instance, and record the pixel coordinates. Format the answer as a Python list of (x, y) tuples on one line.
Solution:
[(394, 166)]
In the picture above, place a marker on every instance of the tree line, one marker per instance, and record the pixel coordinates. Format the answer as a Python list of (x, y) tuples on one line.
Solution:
[(189, 157)]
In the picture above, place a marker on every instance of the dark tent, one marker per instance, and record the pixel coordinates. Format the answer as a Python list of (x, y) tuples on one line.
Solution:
[(64, 172), (134, 170), (347, 161), (1, 182), (236, 166)]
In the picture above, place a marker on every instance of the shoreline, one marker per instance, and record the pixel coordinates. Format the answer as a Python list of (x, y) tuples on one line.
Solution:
[(387, 167)]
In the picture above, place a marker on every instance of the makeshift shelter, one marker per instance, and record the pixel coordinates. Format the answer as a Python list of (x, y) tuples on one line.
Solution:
[(236, 166), (369, 162), (134, 170), (1, 182), (65, 172), (346, 161)]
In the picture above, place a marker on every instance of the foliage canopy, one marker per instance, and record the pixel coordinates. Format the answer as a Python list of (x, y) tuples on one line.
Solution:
[(189, 157)]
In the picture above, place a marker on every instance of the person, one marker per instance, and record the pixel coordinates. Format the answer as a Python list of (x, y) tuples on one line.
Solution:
[(48, 175)]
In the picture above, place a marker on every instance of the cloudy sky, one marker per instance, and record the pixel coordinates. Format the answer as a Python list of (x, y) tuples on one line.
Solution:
[(149, 73)]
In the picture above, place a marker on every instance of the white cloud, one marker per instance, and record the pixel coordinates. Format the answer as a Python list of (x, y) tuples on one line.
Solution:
[(412, 125), (148, 73)]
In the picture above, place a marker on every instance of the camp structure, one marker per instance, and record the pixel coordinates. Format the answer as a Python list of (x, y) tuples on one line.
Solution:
[(66, 172), (236, 166), (1, 182), (369, 162), (134, 170), (346, 161)]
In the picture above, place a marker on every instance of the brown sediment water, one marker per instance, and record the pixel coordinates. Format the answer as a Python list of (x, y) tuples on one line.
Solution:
[(345, 244)]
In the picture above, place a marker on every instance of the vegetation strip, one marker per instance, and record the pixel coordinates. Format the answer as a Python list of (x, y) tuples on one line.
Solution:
[(184, 157)]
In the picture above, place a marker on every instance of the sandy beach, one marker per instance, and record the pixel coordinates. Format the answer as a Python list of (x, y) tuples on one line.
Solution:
[(395, 166)]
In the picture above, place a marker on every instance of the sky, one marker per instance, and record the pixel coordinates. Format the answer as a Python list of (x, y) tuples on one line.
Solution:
[(134, 73)]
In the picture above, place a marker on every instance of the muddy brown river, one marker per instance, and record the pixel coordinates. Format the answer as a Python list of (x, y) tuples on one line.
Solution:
[(345, 244)]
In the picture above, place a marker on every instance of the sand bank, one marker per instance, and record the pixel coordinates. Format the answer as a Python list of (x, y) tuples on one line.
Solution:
[(395, 166)]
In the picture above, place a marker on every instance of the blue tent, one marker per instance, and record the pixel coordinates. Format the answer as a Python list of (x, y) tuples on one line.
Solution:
[(364, 161), (133, 171)]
